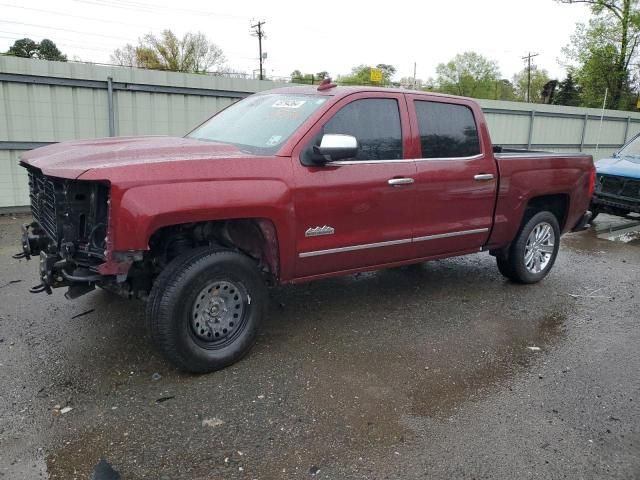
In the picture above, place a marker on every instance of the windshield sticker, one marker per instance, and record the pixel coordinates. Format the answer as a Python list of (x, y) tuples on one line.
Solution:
[(274, 140), (288, 103)]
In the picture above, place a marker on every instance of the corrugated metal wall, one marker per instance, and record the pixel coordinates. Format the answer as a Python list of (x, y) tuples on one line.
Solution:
[(43, 102), (559, 129)]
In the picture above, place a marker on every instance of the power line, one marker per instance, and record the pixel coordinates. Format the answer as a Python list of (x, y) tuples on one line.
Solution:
[(258, 32), (528, 59), (63, 29), (81, 17), (151, 8)]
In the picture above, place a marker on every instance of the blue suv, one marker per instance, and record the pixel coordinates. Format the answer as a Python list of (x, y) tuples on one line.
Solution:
[(617, 189)]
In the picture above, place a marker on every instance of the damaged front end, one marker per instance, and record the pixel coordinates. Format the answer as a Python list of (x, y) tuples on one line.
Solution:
[(69, 232)]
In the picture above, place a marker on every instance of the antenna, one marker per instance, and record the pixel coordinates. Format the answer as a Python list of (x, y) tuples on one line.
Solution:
[(604, 103)]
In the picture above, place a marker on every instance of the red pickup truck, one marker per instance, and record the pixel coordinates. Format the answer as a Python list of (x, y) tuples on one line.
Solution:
[(288, 186)]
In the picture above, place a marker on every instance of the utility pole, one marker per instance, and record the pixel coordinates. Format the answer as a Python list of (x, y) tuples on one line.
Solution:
[(528, 59), (258, 32), (414, 75)]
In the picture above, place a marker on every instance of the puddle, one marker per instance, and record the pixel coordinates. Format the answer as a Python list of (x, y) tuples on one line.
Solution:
[(618, 229)]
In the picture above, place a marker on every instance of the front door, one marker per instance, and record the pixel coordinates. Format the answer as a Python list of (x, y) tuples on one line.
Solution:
[(456, 178), (356, 212)]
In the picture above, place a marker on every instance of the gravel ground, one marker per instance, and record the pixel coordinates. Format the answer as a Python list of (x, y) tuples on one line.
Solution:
[(441, 370)]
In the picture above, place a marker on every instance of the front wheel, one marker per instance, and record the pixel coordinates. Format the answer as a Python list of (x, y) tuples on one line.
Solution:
[(205, 307), (532, 254)]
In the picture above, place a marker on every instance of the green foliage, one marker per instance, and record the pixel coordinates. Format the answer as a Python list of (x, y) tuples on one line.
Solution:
[(568, 92), (538, 80), (469, 74), (45, 50), (308, 78), (361, 75), (504, 90), (603, 51), (193, 53)]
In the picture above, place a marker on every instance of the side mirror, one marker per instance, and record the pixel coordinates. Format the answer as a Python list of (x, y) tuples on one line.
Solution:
[(335, 147)]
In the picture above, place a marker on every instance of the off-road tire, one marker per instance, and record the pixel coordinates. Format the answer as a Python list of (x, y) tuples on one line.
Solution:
[(173, 298), (512, 262)]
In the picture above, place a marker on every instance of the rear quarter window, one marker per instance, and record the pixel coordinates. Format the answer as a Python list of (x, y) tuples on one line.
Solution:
[(446, 130)]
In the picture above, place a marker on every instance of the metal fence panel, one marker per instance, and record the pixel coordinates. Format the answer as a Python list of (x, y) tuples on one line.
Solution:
[(43, 102)]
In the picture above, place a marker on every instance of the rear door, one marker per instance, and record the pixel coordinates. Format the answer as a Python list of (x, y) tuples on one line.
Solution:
[(456, 176), (357, 212)]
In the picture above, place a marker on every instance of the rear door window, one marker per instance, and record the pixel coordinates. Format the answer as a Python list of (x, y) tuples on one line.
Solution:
[(375, 122), (446, 130)]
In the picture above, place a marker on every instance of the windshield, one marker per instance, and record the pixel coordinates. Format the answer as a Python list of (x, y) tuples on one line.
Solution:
[(632, 150), (261, 123)]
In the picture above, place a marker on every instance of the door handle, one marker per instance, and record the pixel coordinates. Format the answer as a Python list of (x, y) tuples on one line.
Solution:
[(483, 177), (396, 182)]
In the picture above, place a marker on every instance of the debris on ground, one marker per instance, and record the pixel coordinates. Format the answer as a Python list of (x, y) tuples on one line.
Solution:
[(164, 399), (104, 471), (534, 349), (91, 310), (156, 376), (11, 282), (66, 410), (212, 422)]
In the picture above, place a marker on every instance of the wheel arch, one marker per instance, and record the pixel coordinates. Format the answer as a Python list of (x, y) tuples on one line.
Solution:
[(558, 204), (256, 237)]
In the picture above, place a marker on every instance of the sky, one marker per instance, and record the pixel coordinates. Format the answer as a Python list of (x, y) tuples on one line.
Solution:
[(311, 36)]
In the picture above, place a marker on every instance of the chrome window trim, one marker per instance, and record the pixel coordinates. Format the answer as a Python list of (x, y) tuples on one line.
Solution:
[(365, 162), (389, 243), (470, 157)]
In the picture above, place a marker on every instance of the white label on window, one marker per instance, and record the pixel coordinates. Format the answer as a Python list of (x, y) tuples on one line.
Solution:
[(288, 103), (274, 140)]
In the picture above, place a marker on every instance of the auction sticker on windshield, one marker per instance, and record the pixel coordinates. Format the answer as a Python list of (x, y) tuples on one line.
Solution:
[(288, 103)]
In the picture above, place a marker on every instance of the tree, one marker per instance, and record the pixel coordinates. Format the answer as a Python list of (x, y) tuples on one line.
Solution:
[(568, 92), (361, 75), (504, 90), (192, 53), (538, 80), (45, 50), (605, 50), (309, 78), (25, 47), (468, 74)]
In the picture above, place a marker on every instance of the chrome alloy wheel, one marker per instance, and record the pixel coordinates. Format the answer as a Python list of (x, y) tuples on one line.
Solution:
[(539, 248), (218, 312)]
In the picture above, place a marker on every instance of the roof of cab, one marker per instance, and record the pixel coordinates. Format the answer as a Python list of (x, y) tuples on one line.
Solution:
[(342, 91)]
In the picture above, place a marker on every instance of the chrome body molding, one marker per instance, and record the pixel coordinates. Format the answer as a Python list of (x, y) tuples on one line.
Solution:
[(318, 231), (354, 247), (390, 243), (450, 234)]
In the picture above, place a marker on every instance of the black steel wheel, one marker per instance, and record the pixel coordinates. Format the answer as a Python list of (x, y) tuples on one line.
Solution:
[(205, 307)]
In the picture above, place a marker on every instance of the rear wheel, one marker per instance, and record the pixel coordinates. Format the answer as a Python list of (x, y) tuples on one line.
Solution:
[(532, 254), (205, 307)]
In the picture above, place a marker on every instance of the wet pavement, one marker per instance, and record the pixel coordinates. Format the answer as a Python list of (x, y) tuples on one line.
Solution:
[(441, 370)]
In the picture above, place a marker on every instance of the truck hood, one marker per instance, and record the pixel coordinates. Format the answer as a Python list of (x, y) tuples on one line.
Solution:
[(619, 166), (72, 159)]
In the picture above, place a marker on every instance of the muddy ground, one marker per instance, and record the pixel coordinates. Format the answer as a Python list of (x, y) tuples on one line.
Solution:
[(416, 372)]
